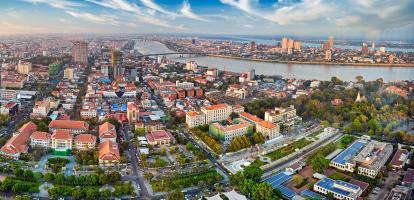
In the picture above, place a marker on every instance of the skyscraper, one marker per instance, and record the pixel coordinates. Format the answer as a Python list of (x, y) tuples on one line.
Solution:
[(297, 45), (285, 41), (328, 55), (364, 50), (331, 42), (116, 61), (373, 46), (80, 52)]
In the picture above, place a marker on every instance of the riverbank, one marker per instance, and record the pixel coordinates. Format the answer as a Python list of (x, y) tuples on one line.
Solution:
[(312, 63)]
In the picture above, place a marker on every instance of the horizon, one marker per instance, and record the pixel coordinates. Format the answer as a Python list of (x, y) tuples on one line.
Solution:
[(350, 19)]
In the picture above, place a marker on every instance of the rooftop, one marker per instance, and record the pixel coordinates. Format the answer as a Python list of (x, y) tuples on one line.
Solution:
[(340, 187), (347, 154)]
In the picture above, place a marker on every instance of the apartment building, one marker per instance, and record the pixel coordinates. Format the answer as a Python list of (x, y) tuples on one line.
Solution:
[(61, 141), (85, 142), (228, 131), (269, 130), (372, 157), (39, 138), (283, 116)]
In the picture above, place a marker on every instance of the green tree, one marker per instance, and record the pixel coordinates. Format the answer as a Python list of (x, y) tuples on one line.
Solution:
[(258, 138), (263, 191), (60, 179), (92, 193), (253, 172), (176, 195), (48, 177), (78, 193), (106, 194)]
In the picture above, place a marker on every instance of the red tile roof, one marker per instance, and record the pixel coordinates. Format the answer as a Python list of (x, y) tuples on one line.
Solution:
[(68, 124), (268, 125), (397, 160), (61, 135), (251, 117), (38, 135), (108, 151), (85, 138), (107, 130), (18, 143), (409, 176), (158, 135)]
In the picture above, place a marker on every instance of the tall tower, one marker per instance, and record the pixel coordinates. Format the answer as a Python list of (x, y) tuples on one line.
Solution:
[(285, 41), (331, 42), (116, 61), (364, 50), (80, 52)]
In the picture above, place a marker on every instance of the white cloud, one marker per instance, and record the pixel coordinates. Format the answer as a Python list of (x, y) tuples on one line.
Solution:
[(307, 10), (347, 20), (100, 19), (187, 12), (61, 4), (117, 5), (244, 5), (152, 5)]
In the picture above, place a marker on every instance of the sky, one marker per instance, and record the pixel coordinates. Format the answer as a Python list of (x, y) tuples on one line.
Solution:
[(370, 19)]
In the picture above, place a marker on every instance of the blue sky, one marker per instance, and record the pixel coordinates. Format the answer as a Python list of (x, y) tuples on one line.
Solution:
[(371, 19)]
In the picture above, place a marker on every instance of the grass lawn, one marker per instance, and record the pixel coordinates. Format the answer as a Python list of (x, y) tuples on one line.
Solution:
[(289, 149)]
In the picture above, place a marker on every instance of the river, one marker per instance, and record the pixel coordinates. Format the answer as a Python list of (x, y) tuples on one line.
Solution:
[(301, 71)]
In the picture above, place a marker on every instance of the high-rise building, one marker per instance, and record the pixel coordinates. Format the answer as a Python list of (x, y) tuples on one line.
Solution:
[(285, 41), (382, 49), (252, 46), (331, 42), (328, 55), (290, 43), (116, 61), (24, 67), (251, 74), (80, 52), (373, 46), (69, 73), (325, 46), (191, 65), (364, 50), (297, 45)]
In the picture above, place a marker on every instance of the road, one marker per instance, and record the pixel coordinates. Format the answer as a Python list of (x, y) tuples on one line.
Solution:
[(190, 137), (269, 171), (126, 132), (25, 113)]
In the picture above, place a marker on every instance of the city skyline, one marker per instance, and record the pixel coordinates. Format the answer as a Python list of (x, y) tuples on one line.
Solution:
[(371, 20)]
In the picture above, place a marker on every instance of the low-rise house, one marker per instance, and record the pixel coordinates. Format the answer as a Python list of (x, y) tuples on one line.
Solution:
[(39, 138), (108, 153), (85, 142), (159, 137), (17, 144)]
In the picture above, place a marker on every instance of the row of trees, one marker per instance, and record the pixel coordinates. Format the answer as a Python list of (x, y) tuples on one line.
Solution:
[(244, 141), (87, 180), (212, 142), (91, 193)]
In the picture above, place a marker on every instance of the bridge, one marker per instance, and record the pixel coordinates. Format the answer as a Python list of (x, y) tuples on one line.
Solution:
[(173, 53)]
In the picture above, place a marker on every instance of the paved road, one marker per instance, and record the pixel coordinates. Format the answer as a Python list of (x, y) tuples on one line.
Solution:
[(269, 171), (126, 132), (25, 113)]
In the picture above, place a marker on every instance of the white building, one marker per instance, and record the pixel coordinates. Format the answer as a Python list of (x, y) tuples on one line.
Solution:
[(268, 129)]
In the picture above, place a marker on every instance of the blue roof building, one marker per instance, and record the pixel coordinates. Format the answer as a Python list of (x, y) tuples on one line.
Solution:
[(344, 160), (276, 182), (339, 189)]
